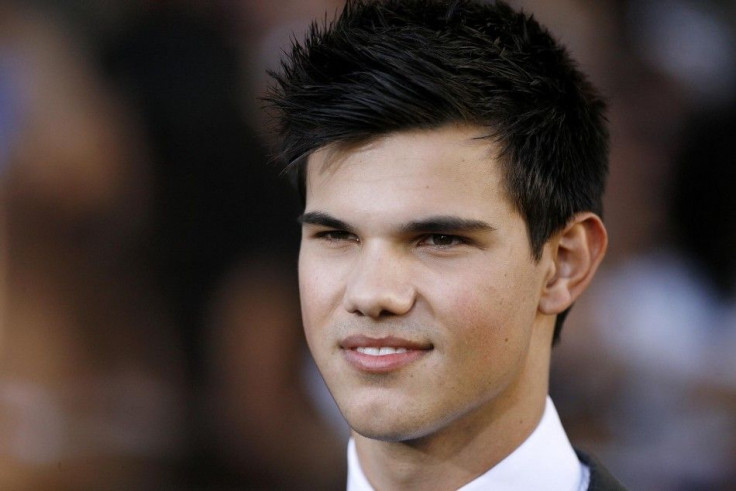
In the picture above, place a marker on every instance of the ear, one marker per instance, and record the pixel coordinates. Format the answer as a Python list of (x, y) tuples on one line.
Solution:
[(576, 253)]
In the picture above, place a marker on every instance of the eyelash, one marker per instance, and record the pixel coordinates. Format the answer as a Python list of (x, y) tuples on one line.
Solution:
[(336, 235), (342, 235), (455, 240)]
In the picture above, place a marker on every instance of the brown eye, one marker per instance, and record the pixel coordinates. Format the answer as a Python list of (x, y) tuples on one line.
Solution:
[(337, 236), (442, 240)]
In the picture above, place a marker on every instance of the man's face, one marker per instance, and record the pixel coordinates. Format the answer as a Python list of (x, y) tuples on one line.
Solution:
[(418, 288)]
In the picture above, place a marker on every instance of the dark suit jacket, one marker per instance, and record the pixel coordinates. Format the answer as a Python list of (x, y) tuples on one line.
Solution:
[(600, 478)]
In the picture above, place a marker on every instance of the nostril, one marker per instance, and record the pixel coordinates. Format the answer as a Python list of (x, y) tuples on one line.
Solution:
[(378, 286)]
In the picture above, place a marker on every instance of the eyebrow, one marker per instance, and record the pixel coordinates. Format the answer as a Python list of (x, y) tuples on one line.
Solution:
[(323, 219), (446, 223), (439, 223)]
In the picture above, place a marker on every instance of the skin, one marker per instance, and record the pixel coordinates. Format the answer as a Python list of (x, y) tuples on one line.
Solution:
[(409, 241)]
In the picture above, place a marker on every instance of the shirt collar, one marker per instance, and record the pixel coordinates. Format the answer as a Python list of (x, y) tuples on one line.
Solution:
[(545, 460)]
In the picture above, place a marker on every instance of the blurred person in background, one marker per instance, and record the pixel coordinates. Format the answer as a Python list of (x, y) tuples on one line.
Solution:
[(89, 378), (667, 324), (223, 236), (668, 61), (263, 29), (145, 258)]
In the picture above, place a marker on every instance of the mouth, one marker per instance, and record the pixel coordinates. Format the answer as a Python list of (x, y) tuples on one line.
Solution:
[(382, 355), (375, 351)]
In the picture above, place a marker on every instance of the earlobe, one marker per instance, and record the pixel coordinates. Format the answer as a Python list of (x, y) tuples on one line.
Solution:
[(577, 251)]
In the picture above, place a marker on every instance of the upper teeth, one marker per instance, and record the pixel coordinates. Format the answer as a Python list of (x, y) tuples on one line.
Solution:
[(380, 351)]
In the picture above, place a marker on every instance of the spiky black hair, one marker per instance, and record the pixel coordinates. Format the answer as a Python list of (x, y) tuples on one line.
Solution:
[(391, 65)]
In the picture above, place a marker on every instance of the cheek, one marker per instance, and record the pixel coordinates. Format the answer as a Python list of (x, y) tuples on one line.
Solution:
[(309, 293), (482, 321), (471, 314), (478, 296), (490, 309), (319, 290), (314, 313)]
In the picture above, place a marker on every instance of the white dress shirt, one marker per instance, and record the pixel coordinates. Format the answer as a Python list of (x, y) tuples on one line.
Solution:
[(544, 461)]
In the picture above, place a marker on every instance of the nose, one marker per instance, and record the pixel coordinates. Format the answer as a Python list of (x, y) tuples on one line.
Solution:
[(379, 284)]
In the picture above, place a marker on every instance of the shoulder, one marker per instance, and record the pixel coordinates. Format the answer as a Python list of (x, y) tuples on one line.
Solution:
[(600, 478)]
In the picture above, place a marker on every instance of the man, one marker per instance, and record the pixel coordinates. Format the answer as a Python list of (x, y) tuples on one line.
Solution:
[(452, 161)]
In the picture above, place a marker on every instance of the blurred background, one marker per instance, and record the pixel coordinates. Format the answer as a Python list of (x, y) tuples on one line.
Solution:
[(149, 327)]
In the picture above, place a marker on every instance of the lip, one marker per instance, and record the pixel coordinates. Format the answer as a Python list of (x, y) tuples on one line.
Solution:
[(411, 351)]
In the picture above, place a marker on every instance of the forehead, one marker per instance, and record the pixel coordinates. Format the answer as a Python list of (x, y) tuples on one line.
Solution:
[(453, 167)]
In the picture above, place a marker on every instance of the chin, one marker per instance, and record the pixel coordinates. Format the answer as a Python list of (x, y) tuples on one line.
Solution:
[(394, 430), (392, 435)]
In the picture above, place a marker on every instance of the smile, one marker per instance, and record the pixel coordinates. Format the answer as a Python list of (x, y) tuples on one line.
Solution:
[(374, 351), (382, 355)]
